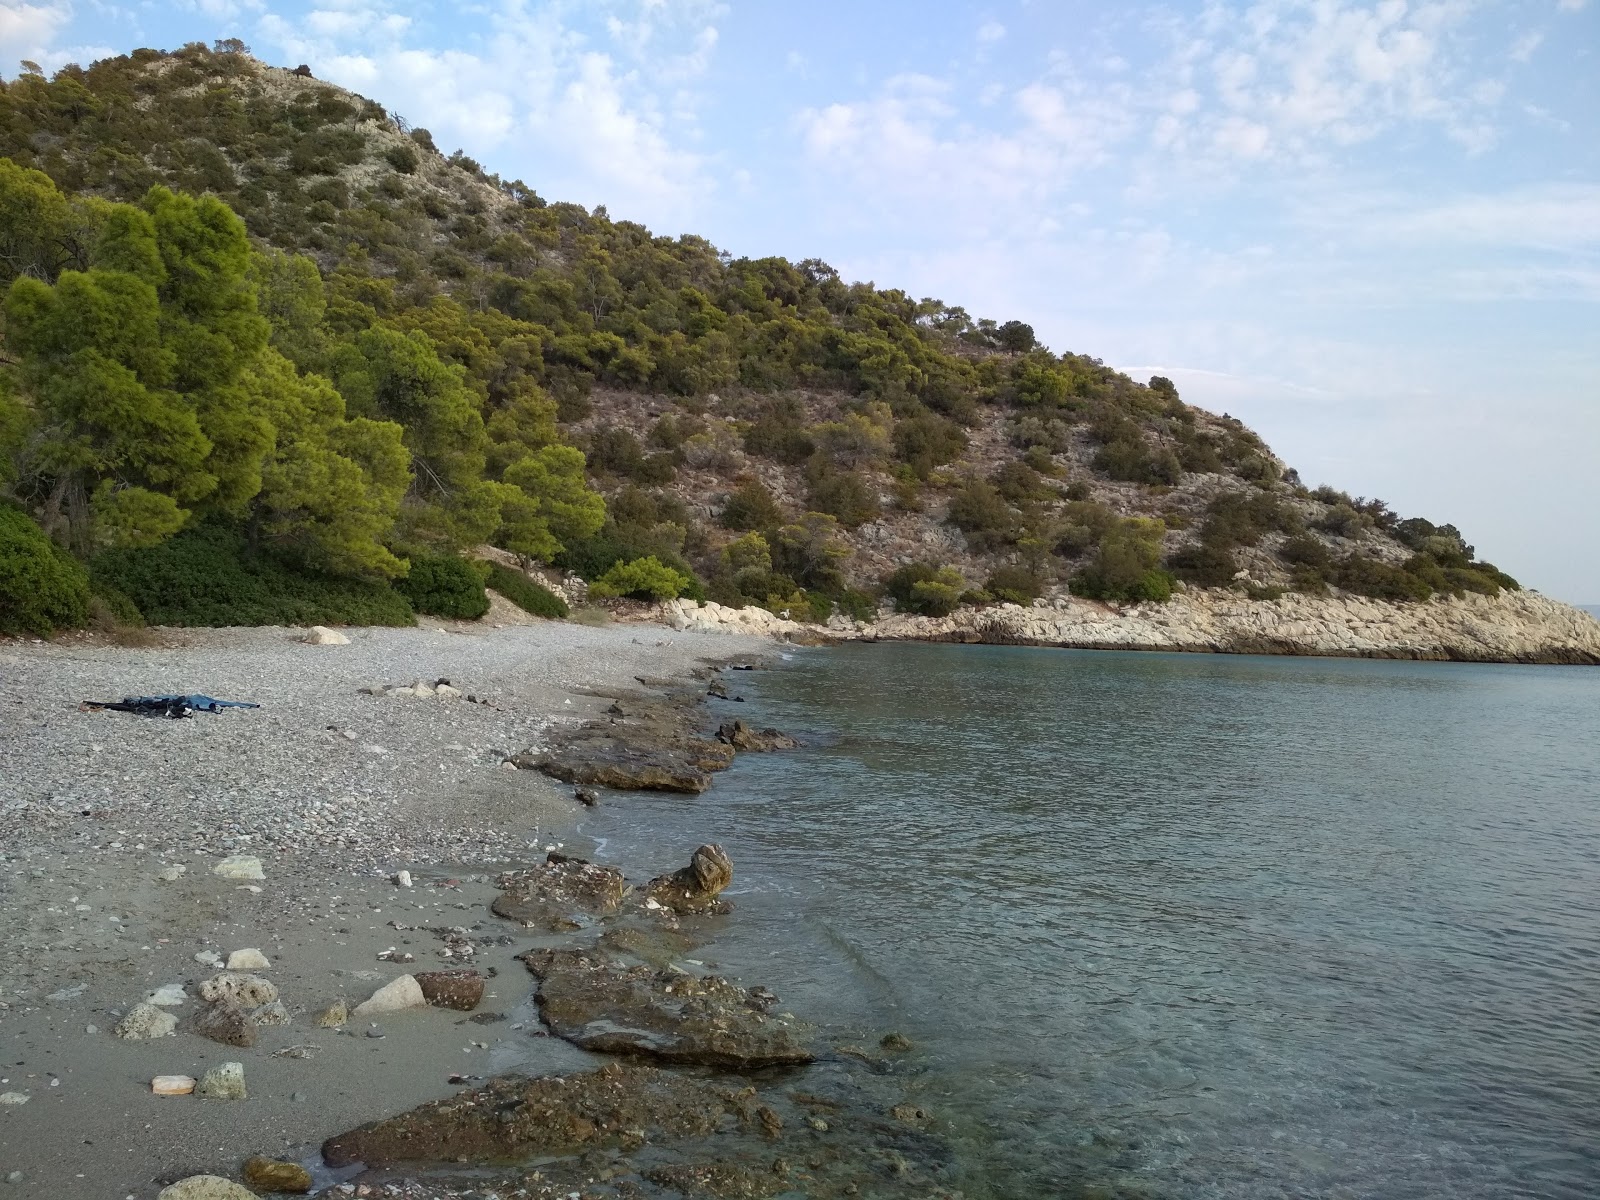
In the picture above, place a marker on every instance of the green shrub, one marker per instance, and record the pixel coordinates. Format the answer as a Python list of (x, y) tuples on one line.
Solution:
[(1015, 584), (527, 595), (1305, 551), (858, 605), (1125, 564), (208, 576), (751, 506), (641, 579), (42, 587), (981, 512), (1204, 564), (1368, 577), (844, 495), (444, 585), (925, 589), (591, 558)]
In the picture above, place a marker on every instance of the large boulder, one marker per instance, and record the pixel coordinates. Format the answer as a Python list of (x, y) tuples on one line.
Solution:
[(559, 893), (601, 1003)]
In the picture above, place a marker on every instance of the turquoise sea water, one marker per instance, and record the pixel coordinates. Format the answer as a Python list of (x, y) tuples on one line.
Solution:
[(1183, 925)]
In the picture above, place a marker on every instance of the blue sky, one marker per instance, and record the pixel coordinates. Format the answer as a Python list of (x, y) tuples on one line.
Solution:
[(1372, 230)]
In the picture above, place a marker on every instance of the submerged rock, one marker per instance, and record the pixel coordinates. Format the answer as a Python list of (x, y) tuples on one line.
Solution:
[(275, 1175), (743, 737), (460, 990), (552, 895), (602, 1004), (514, 1117), (695, 888)]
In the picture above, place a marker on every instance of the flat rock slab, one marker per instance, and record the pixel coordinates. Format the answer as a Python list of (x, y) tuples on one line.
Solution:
[(605, 762), (514, 1117), (601, 1003), (557, 893)]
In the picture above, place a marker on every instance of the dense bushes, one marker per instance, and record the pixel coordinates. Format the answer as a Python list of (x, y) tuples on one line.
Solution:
[(641, 579), (527, 595), (42, 587), (445, 585), (925, 589), (209, 576), (1126, 565)]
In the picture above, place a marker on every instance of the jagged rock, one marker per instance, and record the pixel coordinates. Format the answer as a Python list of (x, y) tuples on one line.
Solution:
[(516, 1118), (248, 960), (271, 1014), (321, 635), (605, 1005), (224, 1082), (395, 996), (555, 894), (899, 1043), (587, 797), (205, 1187), (239, 866), (695, 888), (145, 1021), (460, 990), (335, 1015), (227, 1023), (274, 1175), (172, 1085), (742, 737), (247, 991)]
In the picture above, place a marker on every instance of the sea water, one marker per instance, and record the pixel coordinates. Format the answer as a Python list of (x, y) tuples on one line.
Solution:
[(1182, 925)]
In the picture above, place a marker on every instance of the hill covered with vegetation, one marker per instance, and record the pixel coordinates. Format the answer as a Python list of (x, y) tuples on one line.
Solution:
[(266, 346)]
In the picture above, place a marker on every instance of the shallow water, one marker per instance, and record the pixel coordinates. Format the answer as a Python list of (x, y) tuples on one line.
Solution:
[(1181, 925)]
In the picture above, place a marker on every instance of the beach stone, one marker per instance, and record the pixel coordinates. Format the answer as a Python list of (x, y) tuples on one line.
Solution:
[(335, 1015), (321, 635), (247, 991), (274, 1175), (226, 1023), (395, 996), (248, 960), (205, 1187), (603, 1004), (172, 1085), (695, 888), (145, 1021), (165, 997), (897, 1042), (271, 1014), (239, 866), (225, 1082), (460, 990), (13, 1099), (554, 895), (208, 958), (171, 874)]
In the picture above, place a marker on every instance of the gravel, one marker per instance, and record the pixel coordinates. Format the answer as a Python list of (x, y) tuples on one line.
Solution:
[(337, 779)]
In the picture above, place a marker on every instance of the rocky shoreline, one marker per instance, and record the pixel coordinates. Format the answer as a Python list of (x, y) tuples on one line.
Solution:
[(1513, 627), (207, 984)]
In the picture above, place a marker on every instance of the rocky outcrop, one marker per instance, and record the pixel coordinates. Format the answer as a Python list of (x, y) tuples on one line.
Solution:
[(602, 1004), (1515, 627), (695, 888), (559, 894), (744, 737), (461, 990)]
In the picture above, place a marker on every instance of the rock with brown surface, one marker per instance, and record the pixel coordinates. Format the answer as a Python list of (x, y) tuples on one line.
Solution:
[(275, 1175), (226, 1023), (460, 990), (559, 894), (607, 762), (695, 888), (743, 737), (600, 1003), (516, 1118)]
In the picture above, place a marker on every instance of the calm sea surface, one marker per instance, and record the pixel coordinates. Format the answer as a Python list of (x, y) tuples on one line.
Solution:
[(1182, 925)]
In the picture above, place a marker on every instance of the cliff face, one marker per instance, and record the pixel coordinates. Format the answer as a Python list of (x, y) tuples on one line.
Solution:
[(1513, 627)]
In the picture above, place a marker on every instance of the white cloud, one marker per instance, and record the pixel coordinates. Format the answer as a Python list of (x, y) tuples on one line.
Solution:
[(28, 31), (1572, 5), (990, 32), (1561, 218), (605, 119)]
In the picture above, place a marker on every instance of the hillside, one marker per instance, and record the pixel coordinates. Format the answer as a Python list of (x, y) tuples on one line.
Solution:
[(400, 358)]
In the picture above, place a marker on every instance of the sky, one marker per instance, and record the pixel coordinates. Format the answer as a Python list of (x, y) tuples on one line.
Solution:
[(1370, 230)]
